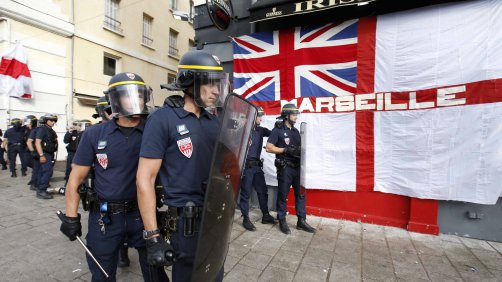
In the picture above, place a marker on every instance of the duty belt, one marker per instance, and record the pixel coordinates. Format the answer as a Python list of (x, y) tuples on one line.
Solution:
[(181, 211), (250, 163), (292, 164), (114, 207)]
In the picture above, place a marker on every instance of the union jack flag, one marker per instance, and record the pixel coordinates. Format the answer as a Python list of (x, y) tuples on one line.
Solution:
[(314, 61)]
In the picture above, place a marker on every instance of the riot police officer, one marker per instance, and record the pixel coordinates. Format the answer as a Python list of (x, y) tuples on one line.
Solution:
[(30, 122), (15, 144), (178, 145), (72, 138), (30, 144), (253, 176), (46, 144), (285, 142), (103, 109), (113, 149)]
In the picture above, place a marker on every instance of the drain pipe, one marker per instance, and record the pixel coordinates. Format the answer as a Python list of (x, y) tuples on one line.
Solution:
[(7, 98)]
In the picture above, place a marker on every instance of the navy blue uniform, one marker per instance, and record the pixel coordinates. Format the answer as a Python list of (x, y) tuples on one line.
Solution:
[(253, 173), (28, 159), (185, 143), (289, 174), (46, 135), (113, 151), (72, 139), (36, 161), (16, 146)]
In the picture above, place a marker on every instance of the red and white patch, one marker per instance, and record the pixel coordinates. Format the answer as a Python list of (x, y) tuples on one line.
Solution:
[(217, 59), (130, 75), (185, 146), (102, 160), (286, 140)]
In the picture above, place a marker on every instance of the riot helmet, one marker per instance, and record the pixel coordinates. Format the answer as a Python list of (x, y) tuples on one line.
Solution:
[(82, 124), (200, 75), (287, 110), (16, 123), (46, 117), (103, 108), (259, 111), (30, 119), (128, 95)]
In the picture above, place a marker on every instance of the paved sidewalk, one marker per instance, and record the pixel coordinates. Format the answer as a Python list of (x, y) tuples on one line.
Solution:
[(33, 249)]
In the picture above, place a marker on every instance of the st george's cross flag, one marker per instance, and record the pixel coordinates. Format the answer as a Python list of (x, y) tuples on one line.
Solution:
[(408, 103), (15, 77)]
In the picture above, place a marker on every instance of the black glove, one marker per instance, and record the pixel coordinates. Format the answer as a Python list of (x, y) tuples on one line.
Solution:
[(71, 227), (34, 155), (174, 101), (293, 151), (159, 252)]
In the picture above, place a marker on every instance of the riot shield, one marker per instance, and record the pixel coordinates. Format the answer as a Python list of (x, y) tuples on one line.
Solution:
[(223, 186), (303, 169)]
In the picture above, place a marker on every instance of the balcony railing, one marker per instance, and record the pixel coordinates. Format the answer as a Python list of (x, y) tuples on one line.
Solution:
[(113, 24)]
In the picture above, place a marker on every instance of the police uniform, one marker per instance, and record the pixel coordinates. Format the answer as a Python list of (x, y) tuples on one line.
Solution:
[(114, 152), (288, 171), (28, 159), (253, 173), (50, 138), (16, 146), (185, 143), (36, 161), (71, 138)]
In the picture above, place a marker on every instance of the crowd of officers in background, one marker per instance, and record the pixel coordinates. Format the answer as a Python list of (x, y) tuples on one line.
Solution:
[(110, 157)]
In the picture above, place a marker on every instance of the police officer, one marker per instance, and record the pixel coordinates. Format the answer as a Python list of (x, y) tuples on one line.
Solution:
[(15, 144), (2, 159), (72, 138), (285, 142), (113, 149), (178, 145), (30, 144), (103, 109), (29, 122), (46, 144), (254, 176)]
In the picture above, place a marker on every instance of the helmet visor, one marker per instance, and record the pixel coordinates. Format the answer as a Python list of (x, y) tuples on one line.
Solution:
[(211, 89), (27, 121), (130, 99)]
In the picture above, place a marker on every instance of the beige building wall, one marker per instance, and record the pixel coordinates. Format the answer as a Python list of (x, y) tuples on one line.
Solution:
[(44, 29), (123, 41)]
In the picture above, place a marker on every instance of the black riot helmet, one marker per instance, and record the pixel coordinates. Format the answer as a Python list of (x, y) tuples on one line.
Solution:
[(16, 123), (287, 110), (103, 108), (82, 124), (48, 116), (129, 95), (203, 72), (31, 119)]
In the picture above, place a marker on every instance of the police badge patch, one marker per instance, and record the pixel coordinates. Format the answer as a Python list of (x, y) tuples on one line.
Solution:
[(286, 140), (185, 146), (102, 160)]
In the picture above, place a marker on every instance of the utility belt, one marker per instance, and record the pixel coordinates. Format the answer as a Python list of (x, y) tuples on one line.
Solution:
[(168, 219), (15, 144), (282, 163), (251, 163), (113, 207)]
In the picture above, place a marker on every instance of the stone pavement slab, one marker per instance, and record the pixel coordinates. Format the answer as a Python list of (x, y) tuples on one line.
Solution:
[(33, 249)]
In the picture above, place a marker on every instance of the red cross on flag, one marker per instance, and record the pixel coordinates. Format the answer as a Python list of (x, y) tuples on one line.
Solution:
[(15, 77)]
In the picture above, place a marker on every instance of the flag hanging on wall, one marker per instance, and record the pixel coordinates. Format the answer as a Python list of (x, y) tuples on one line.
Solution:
[(15, 77), (408, 103)]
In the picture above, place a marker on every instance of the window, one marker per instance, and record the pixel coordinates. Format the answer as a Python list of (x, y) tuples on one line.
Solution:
[(109, 65), (171, 77), (112, 15), (147, 30), (173, 4), (173, 43)]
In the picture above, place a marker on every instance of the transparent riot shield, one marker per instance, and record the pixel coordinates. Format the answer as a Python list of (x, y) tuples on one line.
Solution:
[(303, 169), (223, 187)]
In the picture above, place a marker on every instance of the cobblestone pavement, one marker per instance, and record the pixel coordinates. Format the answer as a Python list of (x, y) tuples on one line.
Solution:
[(33, 249)]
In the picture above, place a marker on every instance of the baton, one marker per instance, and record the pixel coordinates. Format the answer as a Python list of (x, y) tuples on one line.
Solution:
[(60, 215)]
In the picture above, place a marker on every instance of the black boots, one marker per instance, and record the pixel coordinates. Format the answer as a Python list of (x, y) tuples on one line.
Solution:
[(123, 256), (248, 224), (303, 225), (14, 174), (44, 195), (267, 219), (23, 173), (283, 225)]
